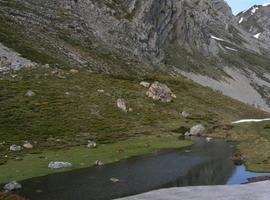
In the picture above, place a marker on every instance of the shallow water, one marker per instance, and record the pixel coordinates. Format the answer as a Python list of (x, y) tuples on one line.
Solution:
[(241, 175), (205, 163)]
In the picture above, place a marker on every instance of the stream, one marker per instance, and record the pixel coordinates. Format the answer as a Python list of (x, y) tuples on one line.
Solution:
[(204, 163)]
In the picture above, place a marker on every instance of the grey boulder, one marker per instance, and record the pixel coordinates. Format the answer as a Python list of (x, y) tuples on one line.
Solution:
[(161, 92), (13, 185), (59, 165), (197, 130)]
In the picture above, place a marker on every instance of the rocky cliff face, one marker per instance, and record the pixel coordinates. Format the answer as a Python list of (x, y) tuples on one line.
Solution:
[(256, 21), (200, 39)]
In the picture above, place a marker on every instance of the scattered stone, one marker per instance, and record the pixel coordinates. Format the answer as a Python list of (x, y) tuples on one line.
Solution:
[(100, 91), (145, 84), (197, 130), (30, 93), (59, 165), (114, 180), (15, 147), (91, 144), (130, 110), (46, 66), (185, 114), (159, 91), (59, 73), (99, 163), (28, 145), (74, 71), (121, 104), (13, 185)]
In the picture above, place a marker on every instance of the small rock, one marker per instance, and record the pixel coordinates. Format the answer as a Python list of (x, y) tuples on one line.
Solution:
[(100, 91), (74, 71), (59, 165), (121, 104), (91, 144), (13, 185), (145, 84), (46, 66), (114, 180), (99, 163), (208, 139), (15, 147), (185, 114), (130, 110), (28, 145), (30, 93)]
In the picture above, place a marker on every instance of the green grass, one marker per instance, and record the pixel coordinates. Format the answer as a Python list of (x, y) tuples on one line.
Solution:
[(34, 165), (254, 143), (54, 120)]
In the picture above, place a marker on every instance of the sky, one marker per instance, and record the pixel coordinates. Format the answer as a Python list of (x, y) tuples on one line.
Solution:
[(240, 5)]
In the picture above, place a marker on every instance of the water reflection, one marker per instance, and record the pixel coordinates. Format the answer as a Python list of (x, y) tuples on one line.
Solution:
[(205, 163), (241, 175)]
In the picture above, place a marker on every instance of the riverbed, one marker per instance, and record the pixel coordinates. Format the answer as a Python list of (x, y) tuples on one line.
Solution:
[(204, 163)]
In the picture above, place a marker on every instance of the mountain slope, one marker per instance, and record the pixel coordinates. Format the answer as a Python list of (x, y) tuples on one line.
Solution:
[(200, 39)]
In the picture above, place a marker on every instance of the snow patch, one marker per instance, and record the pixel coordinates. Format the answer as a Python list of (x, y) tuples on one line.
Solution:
[(257, 35), (241, 20), (253, 11), (231, 49), (266, 4), (250, 120), (216, 38)]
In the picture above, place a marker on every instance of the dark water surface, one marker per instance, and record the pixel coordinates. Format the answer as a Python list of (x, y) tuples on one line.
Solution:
[(205, 163)]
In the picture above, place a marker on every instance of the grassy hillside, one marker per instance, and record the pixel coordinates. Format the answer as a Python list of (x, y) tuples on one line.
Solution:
[(67, 110)]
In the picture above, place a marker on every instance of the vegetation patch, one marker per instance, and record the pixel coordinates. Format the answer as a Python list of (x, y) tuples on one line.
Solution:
[(34, 165), (68, 109)]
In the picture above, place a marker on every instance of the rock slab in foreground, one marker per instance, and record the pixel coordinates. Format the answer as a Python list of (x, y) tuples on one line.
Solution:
[(254, 191)]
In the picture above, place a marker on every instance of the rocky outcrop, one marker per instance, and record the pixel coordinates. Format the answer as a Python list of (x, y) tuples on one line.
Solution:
[(159, 91), (12, 61), (256, 21), (200, 39)]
